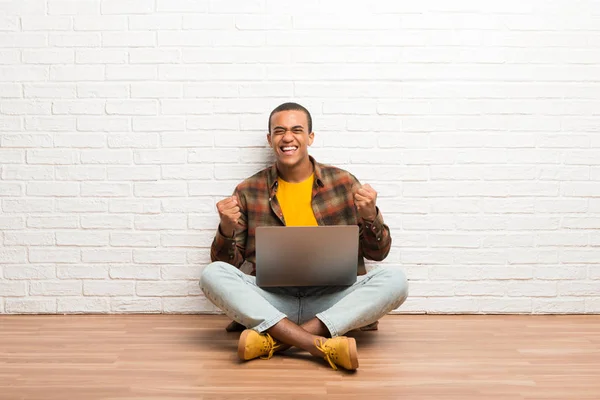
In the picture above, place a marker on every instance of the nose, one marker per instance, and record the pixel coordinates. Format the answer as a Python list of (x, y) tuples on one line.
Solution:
[(288, 136)]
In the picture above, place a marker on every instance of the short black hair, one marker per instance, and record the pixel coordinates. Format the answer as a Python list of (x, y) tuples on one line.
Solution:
[(292, 107)]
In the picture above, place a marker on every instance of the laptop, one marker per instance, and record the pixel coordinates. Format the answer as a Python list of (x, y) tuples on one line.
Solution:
[(306, 255)]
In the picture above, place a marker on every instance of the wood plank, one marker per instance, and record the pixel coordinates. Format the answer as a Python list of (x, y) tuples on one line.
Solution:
[(124, 357)]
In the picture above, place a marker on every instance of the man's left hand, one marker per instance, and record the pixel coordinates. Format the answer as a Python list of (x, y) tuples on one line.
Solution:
[(365, 199)]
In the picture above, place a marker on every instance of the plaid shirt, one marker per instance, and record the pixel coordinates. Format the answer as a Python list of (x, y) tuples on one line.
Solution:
[(332, 204)]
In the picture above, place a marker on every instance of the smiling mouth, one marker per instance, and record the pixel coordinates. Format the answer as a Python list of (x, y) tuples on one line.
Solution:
[(288, 150)]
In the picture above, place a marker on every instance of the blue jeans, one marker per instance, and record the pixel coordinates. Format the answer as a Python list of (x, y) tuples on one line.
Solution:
[(341, 309)]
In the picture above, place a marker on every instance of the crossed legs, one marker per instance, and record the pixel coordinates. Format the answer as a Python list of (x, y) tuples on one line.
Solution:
[(328, 312)]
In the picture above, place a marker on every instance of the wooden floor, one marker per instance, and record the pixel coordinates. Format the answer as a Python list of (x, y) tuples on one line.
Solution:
[(192, 357)]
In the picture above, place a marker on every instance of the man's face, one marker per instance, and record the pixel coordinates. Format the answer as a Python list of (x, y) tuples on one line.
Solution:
[(289, 137)]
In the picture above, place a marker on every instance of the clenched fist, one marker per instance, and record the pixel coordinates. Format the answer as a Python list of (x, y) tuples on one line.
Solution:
[(365, 198), (229, 213)]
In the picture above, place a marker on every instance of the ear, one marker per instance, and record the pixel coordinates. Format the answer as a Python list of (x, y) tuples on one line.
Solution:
[(269, 139), (311, 138)]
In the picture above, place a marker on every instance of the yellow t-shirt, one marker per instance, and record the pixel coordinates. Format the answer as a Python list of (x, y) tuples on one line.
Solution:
[(295, 202)]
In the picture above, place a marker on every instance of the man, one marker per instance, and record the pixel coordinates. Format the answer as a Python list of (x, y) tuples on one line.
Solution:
[(298, 191)]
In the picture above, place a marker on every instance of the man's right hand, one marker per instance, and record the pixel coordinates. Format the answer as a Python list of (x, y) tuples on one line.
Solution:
[(229, 213)]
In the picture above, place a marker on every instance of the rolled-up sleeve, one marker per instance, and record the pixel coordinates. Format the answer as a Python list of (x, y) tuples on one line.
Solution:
[(375, 238)]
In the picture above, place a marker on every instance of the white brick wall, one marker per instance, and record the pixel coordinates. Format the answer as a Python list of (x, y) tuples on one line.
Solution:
[(123, 122)]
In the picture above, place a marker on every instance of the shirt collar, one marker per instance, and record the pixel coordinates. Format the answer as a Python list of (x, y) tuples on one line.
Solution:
[(274, 174)]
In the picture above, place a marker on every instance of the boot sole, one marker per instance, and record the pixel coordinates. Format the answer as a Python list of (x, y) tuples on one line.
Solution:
[(242, 345), (353, 354)]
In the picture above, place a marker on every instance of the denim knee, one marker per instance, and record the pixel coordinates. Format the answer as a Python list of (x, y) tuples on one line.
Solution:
[(397, 285), (211, 273)]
